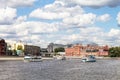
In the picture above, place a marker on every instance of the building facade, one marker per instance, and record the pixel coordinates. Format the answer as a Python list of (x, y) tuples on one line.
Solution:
[(79, 50), (73, 51), (3, 47), (44, 52), (32, 50), (19, 49)]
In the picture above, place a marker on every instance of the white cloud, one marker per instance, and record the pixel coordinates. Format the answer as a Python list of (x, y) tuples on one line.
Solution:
[(104, 18), (43, 43), (39, 13), (81, 20), (91, 30), (21, 19), (16, 3), (114, 32), (57, 10), (59, 6), (118, 18), (35, 28), (6, 29), (113, 37), (29, 32), (93, 3), (83, 35), (7, 32), (53, 6), (7, 15), (92, 34)]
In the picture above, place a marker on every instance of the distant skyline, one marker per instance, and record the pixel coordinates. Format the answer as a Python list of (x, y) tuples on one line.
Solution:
[(40, 22)]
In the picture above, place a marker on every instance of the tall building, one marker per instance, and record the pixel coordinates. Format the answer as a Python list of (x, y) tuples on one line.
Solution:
[(3, 47)]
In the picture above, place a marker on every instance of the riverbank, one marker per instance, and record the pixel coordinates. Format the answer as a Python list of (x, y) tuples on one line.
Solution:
[(18, 58)]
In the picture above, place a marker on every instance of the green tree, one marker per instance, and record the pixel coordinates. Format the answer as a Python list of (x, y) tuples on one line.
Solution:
[(114, 52), (60, 49), (19, 47)]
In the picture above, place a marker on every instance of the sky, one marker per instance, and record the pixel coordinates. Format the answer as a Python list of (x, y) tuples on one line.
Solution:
[(40, 22)]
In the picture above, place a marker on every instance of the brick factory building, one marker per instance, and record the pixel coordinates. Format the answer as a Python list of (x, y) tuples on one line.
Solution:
[(73, 51), (79, 50)]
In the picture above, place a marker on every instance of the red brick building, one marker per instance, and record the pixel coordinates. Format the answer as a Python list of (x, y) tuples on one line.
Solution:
[(79, 50), (103, 51), (2, 47), (73, 51)]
